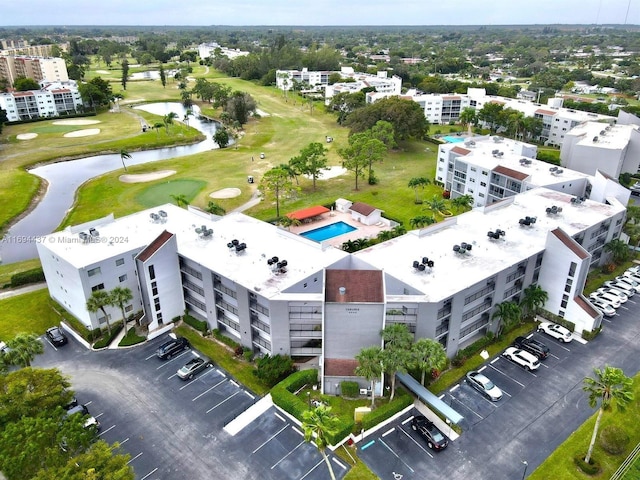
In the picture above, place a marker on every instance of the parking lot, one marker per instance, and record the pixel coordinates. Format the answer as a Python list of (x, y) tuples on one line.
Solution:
[(173, 429)]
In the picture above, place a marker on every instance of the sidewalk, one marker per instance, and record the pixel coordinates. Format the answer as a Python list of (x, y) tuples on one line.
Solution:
[(12, 292)]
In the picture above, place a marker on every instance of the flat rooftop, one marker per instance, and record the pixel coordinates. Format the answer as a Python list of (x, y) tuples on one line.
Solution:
[(453, 272), (249, 267), (613, 137)]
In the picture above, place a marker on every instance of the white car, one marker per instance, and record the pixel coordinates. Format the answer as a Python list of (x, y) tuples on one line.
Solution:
[(556, 331), (526, 360), (609, 293), (630, 281), (632, 275), (635, 269), (622, 286), (606, 308)]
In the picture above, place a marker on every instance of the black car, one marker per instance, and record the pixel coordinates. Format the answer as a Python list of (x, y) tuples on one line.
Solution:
[(427, 430), (530, 345), (170, 348), (56, 337)]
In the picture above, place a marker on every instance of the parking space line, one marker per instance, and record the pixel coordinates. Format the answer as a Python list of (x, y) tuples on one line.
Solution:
[(169, 362), (312, 469), (124, 441), (417, 444), (552, 355), (494, 360), (408, 420), (221, 373), (89, 402), (513, 363), (297, 431), (367, 445), (290, 452), (105, 431), (150, 473), (99, 415), (234, 383), (397, 456), (276, 414), (208, 390), (252, 397), (340, 464), (468, 408), (150, 356), (482, 368), (137, 456), (223, 401), (454, 388), (271, 438), (500, 371), (388, 432), (174, 375)]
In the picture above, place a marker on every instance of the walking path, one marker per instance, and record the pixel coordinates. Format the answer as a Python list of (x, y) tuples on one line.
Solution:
[(19, 291)]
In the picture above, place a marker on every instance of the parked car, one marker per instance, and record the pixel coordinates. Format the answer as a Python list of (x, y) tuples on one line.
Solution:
[(606, 308), (626, 288), (612, 293), (526, 360), (635, 269), (630, 281), (56, 336), (485, 386), (192, 367), (613, 301), (556, 331), (533, 346), (90, 422), (427, 430), (631, 274), (170, 348)]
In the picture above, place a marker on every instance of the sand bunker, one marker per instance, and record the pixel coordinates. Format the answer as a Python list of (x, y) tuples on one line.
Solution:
[(226, 193), (26, 136), (76, 121), (146, 177), (331, 173), (83, 133)]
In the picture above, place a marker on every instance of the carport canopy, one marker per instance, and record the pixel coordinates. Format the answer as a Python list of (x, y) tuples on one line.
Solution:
[(307, 212), (429, 398)]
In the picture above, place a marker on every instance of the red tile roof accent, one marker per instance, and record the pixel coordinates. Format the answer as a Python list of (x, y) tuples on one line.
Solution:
[(307, 212), (154, 246), (363, 208), (586, 306), (511, 173), (460, 151), (570, 243), (498, 102), (451, 97), (362, 286), (545, 112), (340, 367)]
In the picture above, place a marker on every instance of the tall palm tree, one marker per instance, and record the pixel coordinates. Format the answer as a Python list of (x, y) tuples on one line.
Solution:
[(180, 199), (370, 367), (618, 249), (157, 126), (418, 182), (119, 297), (428, 355), (508, 313), (317, 423), (610, 386), (23, 348), (215, 208), (533, 297), (437, 205), (97, 301), (396, 355), (168, 120), (124, 155)]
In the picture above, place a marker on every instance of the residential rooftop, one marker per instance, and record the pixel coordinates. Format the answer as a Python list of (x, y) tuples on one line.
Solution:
[(600, 135)]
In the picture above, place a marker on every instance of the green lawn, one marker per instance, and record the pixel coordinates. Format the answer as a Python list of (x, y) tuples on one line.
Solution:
[(160, 193), (560, 466), (29, 312), (55, 128), (7, 271)]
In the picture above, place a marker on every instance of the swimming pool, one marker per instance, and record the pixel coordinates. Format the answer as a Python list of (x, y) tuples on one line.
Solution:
[(452, 139), (328, 231)]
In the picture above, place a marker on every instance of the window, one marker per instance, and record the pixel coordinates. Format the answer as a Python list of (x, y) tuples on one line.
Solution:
[(483, 184), (122, 278), (152, 272), (484, 172), (119, 262), (128, 308), (572, 269), (95, 288), (94, 271)]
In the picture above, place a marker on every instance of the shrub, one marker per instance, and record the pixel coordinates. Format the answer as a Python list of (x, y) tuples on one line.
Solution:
[(247, 354), (557, 319), (400, 402), (590, 468), (193, 322), (282, 393), (590, 335), (272, 369), (107, 339), (131, 338), (224, 339), (35, 275), (613, 439), (350, 389)]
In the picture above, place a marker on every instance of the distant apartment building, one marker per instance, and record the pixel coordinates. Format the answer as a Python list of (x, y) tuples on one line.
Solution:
[(206, 50), (53, 100), (287, 79), (38, 68)]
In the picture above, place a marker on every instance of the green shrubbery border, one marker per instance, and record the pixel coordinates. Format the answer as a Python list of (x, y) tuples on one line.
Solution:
[(107, 339), (35, 275), (193, 322), (401, 401), (224, 339)]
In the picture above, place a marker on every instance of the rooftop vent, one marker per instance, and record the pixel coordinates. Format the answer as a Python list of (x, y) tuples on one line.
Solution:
[(577, 200), (342, 290), (554, 210), (462, 248), (496, 235), (93, 232), (204, 232), (595, 139), (422, 265), (84, 236), (527, 221), (497, 139), (525, 162)]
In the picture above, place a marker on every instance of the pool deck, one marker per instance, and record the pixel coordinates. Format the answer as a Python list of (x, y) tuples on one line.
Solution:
[(362, 230)]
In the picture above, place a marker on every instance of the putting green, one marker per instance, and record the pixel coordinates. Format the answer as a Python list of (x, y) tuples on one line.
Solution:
[(160, 193), (54, 128)]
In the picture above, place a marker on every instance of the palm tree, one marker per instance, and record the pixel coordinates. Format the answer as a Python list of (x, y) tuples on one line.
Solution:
[(508, 313), (119, 298), (168, 120), (533, 297), (463, 202), (180, 199), (398, 230), (23, 348), (396, 355), (416, 182), (369, 367), (157, 126), (215, 208), (316, 425), (468, 117), (421, 221), (428, 355), (437, 205), (618, 249), (97, 301), (188, 113), (609, 386), (124, 155)]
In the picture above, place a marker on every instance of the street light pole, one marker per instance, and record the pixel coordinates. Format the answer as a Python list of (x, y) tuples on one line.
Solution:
[(524, 474), (309, 400)]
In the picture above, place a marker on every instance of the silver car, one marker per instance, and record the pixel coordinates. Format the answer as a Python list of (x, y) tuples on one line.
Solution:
[(485, 386)]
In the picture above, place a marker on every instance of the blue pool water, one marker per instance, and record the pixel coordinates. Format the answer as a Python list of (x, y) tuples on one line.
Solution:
[(328, 231), (452, 139)]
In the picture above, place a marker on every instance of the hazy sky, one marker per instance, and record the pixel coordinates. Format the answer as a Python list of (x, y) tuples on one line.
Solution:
[(318, 12)]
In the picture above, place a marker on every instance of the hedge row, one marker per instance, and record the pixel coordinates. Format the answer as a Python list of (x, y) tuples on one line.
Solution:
[(35, 275), (282, 393), (193, 322), (77, 325), (401, 401), (557, 319), (107, 339), (350, 389), (224, 339)]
